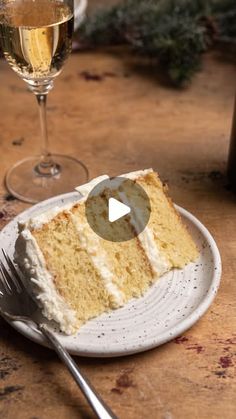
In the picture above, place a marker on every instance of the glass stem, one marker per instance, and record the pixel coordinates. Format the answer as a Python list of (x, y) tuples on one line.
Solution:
[(45, 154), (46, 167)]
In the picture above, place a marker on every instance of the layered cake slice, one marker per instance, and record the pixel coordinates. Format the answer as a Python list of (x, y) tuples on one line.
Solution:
[(76, 275)]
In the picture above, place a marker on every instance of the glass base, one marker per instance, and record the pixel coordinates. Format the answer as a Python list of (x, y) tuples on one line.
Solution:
[(25, 182)]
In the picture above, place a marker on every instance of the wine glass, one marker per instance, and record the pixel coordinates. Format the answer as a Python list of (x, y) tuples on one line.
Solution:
[(36, 39)]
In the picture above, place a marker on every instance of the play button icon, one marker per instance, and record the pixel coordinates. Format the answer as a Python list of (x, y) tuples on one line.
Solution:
[(116, 210)]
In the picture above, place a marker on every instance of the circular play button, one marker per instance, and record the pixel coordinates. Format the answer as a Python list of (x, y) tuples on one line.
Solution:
[(118, 209)]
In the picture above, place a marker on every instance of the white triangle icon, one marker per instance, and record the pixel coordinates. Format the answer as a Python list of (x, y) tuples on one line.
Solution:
[(117, 210)]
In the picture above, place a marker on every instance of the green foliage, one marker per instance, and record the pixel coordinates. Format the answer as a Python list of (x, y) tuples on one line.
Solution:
[(175, 33)]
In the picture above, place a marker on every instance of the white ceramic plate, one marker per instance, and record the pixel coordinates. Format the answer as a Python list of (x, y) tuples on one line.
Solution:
[(169, 308)]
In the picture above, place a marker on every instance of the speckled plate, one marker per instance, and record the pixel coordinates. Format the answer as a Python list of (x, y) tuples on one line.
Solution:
[(169, 308)]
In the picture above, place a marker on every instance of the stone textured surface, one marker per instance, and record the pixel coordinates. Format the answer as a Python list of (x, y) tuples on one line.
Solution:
[(116, 117)]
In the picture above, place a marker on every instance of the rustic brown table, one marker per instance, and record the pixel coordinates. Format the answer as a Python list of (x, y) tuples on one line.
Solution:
[(117, 117)]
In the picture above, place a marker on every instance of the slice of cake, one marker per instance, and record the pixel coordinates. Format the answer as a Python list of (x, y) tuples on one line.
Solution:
[(76, 275)]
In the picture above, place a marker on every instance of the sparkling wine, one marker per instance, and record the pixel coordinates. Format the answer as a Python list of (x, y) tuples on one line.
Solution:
[(36, 36)]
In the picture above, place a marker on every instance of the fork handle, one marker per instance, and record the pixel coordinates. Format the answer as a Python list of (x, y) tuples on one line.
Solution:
[(97, 404)]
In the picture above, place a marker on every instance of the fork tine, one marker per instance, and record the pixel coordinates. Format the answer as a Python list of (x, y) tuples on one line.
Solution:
[(10, 279), (2, 284), (3, 279), (15, 275)]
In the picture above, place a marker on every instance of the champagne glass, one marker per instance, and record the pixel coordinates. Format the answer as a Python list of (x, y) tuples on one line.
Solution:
[(36, 39)]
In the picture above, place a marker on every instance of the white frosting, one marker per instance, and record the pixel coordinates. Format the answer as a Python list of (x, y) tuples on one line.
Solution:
[(137, 174), (92, 243), (54, 306)]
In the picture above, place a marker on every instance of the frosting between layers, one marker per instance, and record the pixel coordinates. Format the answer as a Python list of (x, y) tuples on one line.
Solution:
[(157, 260), (91, 243), (54, 306)]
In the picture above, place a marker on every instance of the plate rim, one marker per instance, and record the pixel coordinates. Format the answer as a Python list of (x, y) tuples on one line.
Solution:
[(36, 336)]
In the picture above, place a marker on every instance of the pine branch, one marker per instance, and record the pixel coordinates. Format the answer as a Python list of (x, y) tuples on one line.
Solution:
[(175, 33)]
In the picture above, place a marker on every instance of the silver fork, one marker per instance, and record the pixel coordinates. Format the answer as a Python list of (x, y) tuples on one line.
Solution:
[(17, 304)]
